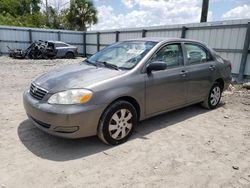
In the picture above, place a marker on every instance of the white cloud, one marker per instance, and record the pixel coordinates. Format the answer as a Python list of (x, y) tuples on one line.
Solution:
[(238, 12), (129, 3), (149, 13)]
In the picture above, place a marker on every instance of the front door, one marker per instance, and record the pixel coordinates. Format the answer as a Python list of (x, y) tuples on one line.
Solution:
[(166, 89)]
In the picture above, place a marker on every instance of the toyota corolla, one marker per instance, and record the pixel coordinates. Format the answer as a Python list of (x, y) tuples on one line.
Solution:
[(110, 92)]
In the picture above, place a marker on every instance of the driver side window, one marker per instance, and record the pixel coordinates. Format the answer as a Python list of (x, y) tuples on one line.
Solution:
[(171, 54)]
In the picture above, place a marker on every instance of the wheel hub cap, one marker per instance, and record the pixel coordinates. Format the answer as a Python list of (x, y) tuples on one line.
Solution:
[(120, 124), (215, 96)]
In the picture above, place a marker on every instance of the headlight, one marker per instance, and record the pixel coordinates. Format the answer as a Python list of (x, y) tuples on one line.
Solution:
[(73, 96)]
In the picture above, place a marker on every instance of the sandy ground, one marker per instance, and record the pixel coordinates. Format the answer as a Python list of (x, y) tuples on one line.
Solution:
[(191, 147)]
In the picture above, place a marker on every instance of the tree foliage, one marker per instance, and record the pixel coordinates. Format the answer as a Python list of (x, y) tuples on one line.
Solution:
[(79, 16), (21, 13)]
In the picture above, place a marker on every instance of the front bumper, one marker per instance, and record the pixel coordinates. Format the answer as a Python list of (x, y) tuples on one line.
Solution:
[(69, 121)]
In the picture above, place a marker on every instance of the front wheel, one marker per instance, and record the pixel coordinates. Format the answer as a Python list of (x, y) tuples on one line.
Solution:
[(214, 96), (117, 123)]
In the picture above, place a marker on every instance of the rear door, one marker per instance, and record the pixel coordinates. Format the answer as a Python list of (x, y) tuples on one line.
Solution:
[(166, 89), (61, 49), (201, 70)]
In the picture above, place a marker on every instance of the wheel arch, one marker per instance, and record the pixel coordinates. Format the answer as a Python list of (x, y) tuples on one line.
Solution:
[(221, 82), (129, 99), (69, 52)]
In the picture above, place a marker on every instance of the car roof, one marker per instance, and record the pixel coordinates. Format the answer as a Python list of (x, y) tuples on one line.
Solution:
[(55, 41), (164, 39)]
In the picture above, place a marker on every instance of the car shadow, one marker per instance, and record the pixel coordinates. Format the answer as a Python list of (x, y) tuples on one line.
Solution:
[(60, 149)]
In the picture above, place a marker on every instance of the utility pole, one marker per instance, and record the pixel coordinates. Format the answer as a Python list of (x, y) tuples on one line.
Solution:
[(204, 11)]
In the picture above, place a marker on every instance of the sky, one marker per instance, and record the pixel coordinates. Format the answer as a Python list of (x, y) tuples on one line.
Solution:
[(116, 14)]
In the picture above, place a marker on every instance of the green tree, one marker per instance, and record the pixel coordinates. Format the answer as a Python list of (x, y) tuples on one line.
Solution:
[(52, 18), (21, 13), (81, 15)]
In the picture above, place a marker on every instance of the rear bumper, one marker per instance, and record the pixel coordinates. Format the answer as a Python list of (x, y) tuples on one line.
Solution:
[(69, 121)]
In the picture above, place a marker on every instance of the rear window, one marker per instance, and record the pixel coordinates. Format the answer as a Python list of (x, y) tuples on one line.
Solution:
[(197, 54)]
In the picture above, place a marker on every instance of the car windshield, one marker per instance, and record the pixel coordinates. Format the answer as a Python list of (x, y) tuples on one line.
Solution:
[(123, 55)]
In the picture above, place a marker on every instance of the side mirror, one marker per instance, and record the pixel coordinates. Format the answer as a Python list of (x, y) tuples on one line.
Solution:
[(156, 66)]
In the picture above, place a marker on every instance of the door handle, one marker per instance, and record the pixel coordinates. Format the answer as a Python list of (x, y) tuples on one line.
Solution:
[(212, 67), (183, 73)]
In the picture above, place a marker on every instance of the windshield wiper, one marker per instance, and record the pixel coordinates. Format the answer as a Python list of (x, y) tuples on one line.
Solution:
[(90, 63), (109, 65)]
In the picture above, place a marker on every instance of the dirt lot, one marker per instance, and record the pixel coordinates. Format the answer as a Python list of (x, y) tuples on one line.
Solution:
[(191, 147)]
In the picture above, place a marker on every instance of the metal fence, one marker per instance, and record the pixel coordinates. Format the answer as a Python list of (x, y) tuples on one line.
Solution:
[(18, 37), (229, 38)]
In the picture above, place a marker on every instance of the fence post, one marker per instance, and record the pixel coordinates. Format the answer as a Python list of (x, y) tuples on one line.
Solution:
[(144, 31), (98, 41), (117, 36), (30, 36), (84, 45), (59, 36), (183, 32), (244, 54)]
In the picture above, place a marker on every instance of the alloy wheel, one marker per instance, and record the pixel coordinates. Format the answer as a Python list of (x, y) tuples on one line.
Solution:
[(215, 95), (120, 124)]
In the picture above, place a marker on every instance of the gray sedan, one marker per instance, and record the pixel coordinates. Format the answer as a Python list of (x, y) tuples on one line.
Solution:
[(62, 49), (129, 81)]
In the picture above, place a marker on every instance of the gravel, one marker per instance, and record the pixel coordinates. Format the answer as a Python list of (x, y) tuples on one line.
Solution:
[(190, 147)]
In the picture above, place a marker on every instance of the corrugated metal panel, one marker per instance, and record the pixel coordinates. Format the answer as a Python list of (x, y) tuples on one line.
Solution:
[(102, 47), (91, 38), (91, 49), (241, 38), (107, 38), (223, 38), (44, 36), (4, 49), (80, 48), (235, 59), (71, 38), (175, 34), (130, 35), (14, 35)]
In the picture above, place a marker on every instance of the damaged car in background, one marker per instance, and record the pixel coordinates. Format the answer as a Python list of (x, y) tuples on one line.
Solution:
[(45, 50)]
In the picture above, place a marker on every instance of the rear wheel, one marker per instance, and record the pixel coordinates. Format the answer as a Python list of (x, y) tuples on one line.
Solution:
[(117, 123), (214, 97), (69, 55)]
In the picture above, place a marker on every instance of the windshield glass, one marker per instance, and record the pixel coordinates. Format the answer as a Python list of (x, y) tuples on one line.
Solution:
[(123, 54)]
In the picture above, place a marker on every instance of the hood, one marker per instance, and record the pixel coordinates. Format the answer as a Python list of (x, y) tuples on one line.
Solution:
[(74, 76)]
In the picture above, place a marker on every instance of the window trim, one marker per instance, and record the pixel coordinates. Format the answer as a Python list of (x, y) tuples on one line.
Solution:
[(60, 43), (206, 50), (162, 46)]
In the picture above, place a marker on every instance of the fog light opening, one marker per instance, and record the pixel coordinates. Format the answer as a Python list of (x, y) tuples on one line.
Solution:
[(66, 129)]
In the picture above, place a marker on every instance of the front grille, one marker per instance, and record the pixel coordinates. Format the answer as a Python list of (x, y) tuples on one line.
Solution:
[(37, 92), (45, 125)]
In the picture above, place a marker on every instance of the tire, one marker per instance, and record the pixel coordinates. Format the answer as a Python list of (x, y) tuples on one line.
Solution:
[(117, 123), (213, 98), (69, 55)]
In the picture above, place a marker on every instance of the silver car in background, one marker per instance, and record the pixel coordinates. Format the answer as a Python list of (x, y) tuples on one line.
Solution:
[(63, 50), (129, 81)]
